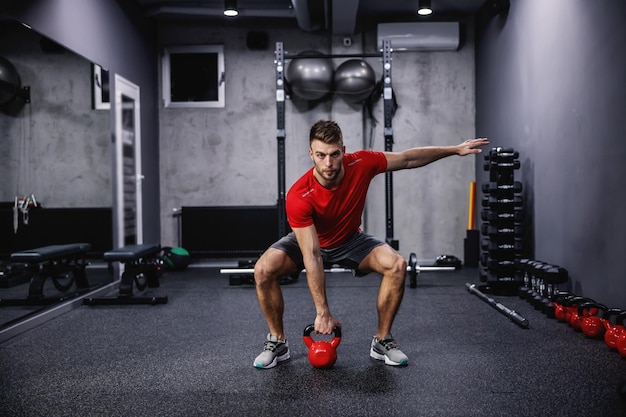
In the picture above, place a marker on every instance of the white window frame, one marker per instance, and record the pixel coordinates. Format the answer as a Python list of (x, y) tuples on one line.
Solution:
[(194, 49)]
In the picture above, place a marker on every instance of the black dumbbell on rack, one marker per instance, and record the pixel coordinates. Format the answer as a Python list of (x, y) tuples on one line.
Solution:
[(502, 215)]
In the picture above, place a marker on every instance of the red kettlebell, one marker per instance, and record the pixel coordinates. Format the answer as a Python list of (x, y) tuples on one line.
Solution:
[(579, 312), (323, 353), (583, 311), (620, 343), (560, 309), (571, 305), (593, 326), (612, 332)]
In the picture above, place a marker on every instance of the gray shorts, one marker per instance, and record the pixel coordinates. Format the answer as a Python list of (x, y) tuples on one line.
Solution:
[(349, 255)]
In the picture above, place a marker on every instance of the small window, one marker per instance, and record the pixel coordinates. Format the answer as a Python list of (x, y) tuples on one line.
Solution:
[(193, 76), (100, 87)]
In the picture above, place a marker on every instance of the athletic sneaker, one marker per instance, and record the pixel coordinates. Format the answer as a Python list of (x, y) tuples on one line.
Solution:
[(274, 351), (388, 351)]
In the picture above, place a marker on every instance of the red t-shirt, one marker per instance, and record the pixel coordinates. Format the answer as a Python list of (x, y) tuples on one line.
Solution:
[(335, 213)]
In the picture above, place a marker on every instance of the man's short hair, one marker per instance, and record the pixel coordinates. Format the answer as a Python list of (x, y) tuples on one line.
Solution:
[(326, 131)]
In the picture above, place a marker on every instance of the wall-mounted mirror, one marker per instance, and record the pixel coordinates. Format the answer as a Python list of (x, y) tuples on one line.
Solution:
[(56, 167)]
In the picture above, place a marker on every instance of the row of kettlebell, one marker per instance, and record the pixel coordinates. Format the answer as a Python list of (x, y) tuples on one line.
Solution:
[(594, 320)]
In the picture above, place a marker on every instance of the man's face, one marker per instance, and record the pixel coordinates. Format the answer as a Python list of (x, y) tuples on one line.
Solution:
[(328, 159)]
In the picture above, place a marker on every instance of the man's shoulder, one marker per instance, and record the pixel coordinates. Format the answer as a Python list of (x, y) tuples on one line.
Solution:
[(302, 184), (365, 154), (370, 157)]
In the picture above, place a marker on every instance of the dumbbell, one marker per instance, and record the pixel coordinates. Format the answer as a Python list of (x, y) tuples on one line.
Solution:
[(502, 203), (535, 280), (501, 153), (493, 230), (499, 165), (522, 266), (516, 216), (499, 263), (537, 299), (495, 188), (508, 245), (553, 276)]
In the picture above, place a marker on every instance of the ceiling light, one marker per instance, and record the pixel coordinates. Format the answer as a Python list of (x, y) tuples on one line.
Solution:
[(230, 8), (424, 8)]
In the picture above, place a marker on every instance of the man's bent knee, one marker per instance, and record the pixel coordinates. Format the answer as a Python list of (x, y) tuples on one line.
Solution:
[(273, 264), (386, 261), (398, 270), (401, 264)]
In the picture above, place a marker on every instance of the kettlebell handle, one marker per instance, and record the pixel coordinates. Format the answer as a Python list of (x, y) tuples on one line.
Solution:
[(311, 328), (588, 306), (611, 312)]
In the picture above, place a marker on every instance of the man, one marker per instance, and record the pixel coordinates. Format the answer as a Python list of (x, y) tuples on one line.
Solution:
[(324, 209)]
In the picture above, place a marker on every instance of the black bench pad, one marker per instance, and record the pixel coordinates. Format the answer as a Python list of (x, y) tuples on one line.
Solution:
[(138, 260), (54, 262), (132, 252), (46, 253)]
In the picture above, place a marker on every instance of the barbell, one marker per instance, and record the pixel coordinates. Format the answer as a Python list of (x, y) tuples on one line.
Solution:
[(413, 269)]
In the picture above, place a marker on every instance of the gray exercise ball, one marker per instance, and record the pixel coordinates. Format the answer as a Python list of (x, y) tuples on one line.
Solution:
[(10, 82), (355, 80), (310, 78)]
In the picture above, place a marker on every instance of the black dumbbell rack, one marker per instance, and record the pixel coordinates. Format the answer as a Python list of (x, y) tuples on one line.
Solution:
[(502, 215)]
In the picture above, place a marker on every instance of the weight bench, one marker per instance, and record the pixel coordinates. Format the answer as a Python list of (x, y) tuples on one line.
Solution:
[(141, 267), (63, 264)]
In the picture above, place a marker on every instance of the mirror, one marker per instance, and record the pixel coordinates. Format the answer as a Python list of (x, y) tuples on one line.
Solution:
[(55, 165), (128, 163)]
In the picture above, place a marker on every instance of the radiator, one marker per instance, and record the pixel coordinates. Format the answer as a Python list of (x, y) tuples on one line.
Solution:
[(228, 231)]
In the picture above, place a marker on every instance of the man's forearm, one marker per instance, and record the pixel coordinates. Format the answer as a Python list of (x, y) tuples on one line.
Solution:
[(316, 280), (418, 157)]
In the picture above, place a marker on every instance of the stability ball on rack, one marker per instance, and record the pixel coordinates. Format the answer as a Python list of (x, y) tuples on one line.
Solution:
[(354, 80), (310, 78), (10, 83)]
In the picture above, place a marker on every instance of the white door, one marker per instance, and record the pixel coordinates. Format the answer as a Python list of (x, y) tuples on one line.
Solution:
[(128, 177)]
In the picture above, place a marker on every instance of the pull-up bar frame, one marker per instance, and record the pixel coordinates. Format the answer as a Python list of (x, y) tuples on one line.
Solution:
[(280, 57)]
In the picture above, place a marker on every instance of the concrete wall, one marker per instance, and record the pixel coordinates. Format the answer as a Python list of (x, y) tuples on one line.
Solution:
[(552, 84), (111, 34), (58, 143), (228, 156)]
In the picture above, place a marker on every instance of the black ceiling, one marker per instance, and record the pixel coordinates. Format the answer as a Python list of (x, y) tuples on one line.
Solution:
[(339, 17)]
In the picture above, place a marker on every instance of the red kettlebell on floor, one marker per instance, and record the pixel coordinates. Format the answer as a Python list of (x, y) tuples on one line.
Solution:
[(571, 306), (583, 311), (593, 326), (620, 343), (579, 312), (560, 309), (612, 332), (323, 353)]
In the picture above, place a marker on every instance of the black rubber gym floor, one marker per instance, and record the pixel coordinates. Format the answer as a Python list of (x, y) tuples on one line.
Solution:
[(193, 357)]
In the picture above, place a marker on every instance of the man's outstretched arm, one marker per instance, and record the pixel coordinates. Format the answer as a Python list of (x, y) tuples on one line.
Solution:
[(418, 157)]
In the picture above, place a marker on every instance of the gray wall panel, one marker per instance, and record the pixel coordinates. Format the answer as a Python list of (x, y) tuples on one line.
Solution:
[(551, 82), (228, 156), (104, 33)]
